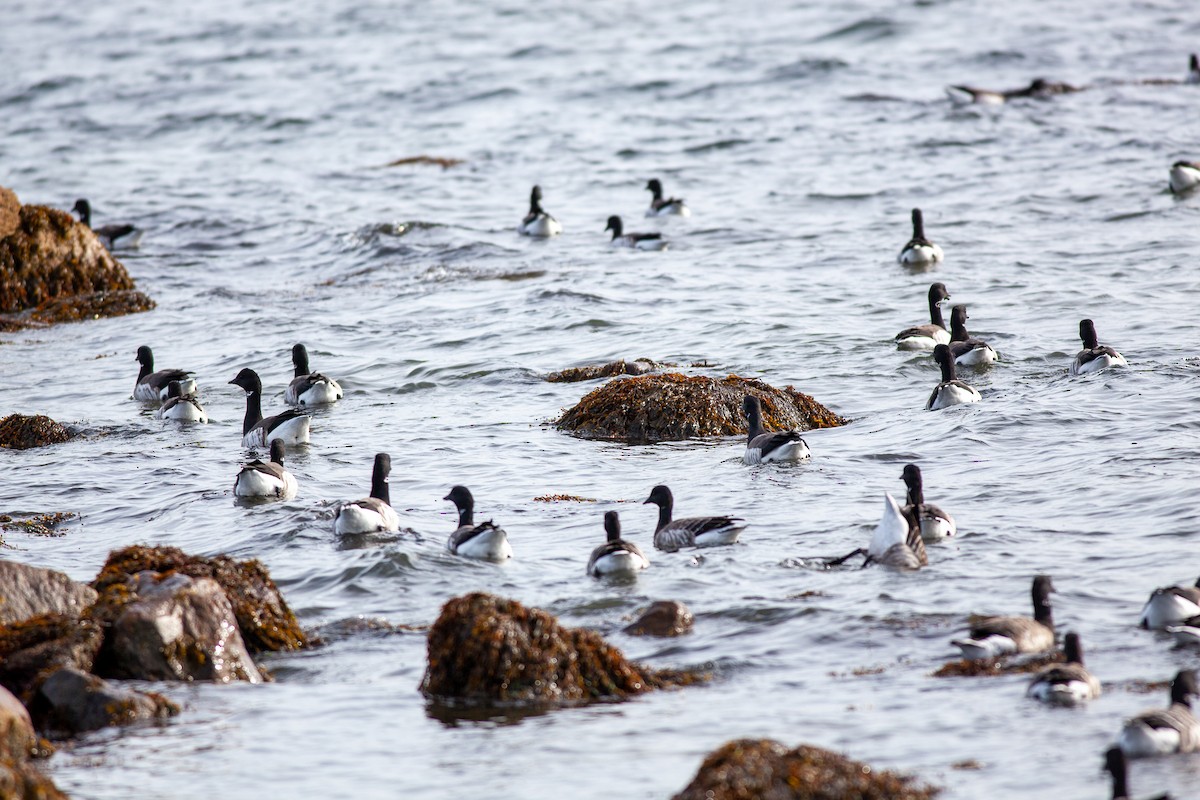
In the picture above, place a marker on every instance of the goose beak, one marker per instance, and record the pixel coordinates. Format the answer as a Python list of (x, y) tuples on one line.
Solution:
[(447, 497)]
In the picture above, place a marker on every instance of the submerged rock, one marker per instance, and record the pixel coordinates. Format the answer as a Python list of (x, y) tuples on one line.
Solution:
[(671, 406), (21, 432), (990, 667), (763, 769), (640, 366), (27, 591), (487, 650), (33, 648), (71, 702), (662, 618)]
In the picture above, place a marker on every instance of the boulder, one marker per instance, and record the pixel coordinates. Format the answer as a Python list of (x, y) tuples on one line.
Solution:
[(671, 407), (486, 650), (33, 648), (17, 739), (10, 212), (71, 702), (763, 769), (97, 305), (20, 432), (640, 366), (662, 618), (27, 591)]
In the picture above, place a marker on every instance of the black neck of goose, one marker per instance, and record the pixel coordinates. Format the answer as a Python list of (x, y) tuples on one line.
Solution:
[(147, 368), (612, 528), (1087, 333), (466, 513), (1181, 691), (664, 515), (277, 451), (916, 492), (253, 410), (918, 224), (85, 214), (754, 422), (657, 192), (379, 485), (1120, 780), (947, 365), (958, 328), (935, 312), (1041, 610), (1072, 650), (535, 207), (300, 359), (617, 229)]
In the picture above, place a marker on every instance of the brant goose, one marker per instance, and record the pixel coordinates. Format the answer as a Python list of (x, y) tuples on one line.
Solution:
[(919, 250), (935, 524), (1066, 684), (372, 513), (486, 540), (1094, 357), (181, 407), (109, 235), (309, 388), (1170, 605), (1193, 75), (639, 241), (537, 222), (671, 207), (151, 386), (291, 426), (670, 535), (1162, 731), (763, 447), (967, 351), (951, 391), (897, 540), (997, 636), (1185, 176), (616, 556), (1114, 762), (926, 337), (261, 478), (1039, 88)]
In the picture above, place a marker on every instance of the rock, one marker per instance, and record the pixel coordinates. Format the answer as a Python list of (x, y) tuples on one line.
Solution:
[(20, 432), (639, 366), (991, 667), (487, 650), (10, 212), (17, 739), (27, 591), (73, 702), (662, 618), (671, 406), (97, 305), (763, 769), (20, 780), (35, 647)]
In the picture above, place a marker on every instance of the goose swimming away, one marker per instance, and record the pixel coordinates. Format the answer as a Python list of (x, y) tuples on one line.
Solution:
[(1163, 731), (1000, 636), (927, 337), (266, 479), (967, 351), (1193, 75), (1185, 176), (125, 236), (763, 447), (638, 241), (616, 556), (673, 206), (486, 540), (1114, 763), (919, 250), (291, 426), (897, 540), (374, 513), (1039, 88), (151, 386), (309, 388), (1094, 356), (1066, 684), (935, 524), (537, 222), (951, 391), (1170, 605), (180, 407), (670, 535)]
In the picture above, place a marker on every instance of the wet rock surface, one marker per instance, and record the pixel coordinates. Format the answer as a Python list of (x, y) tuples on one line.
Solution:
[(71, 702), (639, 366), (663, 618), (96, 305), (21, 432), (17, 738), (19, 779), (27, 591), (33, 648)]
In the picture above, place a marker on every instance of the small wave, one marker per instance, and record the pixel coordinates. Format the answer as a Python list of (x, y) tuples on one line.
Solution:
[(720, 144), (870, 29), (806, 68)]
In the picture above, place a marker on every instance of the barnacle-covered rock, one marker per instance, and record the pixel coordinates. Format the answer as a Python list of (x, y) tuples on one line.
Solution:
[(21, 432), (639, 366)]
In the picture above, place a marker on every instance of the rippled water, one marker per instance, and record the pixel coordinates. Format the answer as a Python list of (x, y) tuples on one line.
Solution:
[(249, 138)]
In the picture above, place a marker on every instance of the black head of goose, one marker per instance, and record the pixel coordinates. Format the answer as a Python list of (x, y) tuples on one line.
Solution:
[(991, 637), (537, 222), (151, 386), (935, 523), (291, 426), (266, 479), (1115, 765), (374, 513), (951, 391), (638, 241), (763, 447), (1168, 730), (918, 250), (926, 337), (308, 388), (1170, 605), (1094, 356), (967, 350), (660, 207), (109, 235), (1193, 74), (181, 407), (1065, 684), (616, 556), (672, 534), (486, 541)]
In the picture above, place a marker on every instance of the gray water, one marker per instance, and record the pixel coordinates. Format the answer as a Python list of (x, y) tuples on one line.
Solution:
[(249, 139)]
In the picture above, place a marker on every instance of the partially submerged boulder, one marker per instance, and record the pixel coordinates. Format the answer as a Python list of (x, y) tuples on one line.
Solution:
[(21, 432), (486, 650), (19, 780), (662, 618), (639, 366), (27, 591), (71, 702), (671, 407), (763, 769), (33, 648)]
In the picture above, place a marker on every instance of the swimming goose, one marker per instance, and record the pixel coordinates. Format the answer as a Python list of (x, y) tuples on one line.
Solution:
[(919, 250), (309, 388), (926, 337), (639, 241), (1039, 88), (537, 222), (998, 636), (616, 556), (951, 391), (1094, 357), (763, 447), (291, 426), (897, 541), (673, 206), (151, 386), (935, 523), (110, 235), (1170, 605), (486, 540), (1114, 762), (374, 513), (1185, 176), (1162, 731), (670, 535), (1193, 75), (180, 407), (967, 351), (261, 478), (1066, 684)]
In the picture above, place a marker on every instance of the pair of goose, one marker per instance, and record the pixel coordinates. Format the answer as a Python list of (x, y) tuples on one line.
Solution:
[(898, 540), (966, 350), (540, 224)]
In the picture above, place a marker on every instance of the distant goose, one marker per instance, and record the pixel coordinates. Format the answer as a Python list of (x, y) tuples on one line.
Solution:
[(897, 541), (181, 407), (951, 391), (1185, 175), (1170, 605), (763, 447), (291, 426), (670, 535), (537, 222), (919, 250), (309, 388), (967, 351), (1114, 762), (935, 523), (999, 636), (639, 241), (486, 540), (1066, 684), (1162, 731), (1094, 357), (1040, 89), (672, 206), (1193, 75), (616, 556), (926, 337), (374, 513), (266, 478), (110, 235), (151, 386)]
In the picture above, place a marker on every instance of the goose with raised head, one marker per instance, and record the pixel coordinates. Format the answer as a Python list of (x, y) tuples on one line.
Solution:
[(991, 637), (486, 540), (266, 479), (111, 236), (1065, 684), (616, 556), (1162, 731), (151, 386), (1170, 605), (966, 349), (309, 388), (181, 407), (374, 513), (935, 523), (927, 337), (290, 426), (763, 447), (1094, 356), (664, 207), (537, 222), (672, 534), (950, 391), (918, 250), (638, 241)]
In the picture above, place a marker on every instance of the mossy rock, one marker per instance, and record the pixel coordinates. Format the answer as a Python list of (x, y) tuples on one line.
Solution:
[(10, 212), (992, 667), (97, 305), (20, 780), (640, 366), (672, 407), (33, 648), (487, 650), (21, 432), (758, 769)]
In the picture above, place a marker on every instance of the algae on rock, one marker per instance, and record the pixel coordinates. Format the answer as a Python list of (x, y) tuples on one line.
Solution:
[(21, 432)]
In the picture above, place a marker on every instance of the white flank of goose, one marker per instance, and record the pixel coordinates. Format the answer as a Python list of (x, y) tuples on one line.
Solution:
[(1185, 176), (918, 250), (927, 337), (763, 447), (486, 541), (309, 388), (180, 407), (966, 350), (1164, 731), (374, 513), (896, 541), (1039, 88), (111, 236), (266, 479), (1000, 636), (670, 207), (151, 386), (290, 426), (670, 535), (951, 391), (616, 556), (537, 222), (1170, 605), (1094, 356), (1066, 684), (638, 241), (935, 523)]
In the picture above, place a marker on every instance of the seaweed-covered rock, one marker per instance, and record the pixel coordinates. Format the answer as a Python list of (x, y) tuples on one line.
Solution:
[(662, 618), (991, 667), (33, 648), (17, 739), (21, 432), (96, 305), (487, 650), (671, 406), (640, 366), (763, 769), (10, 212), (73, 702), (27, 591)]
